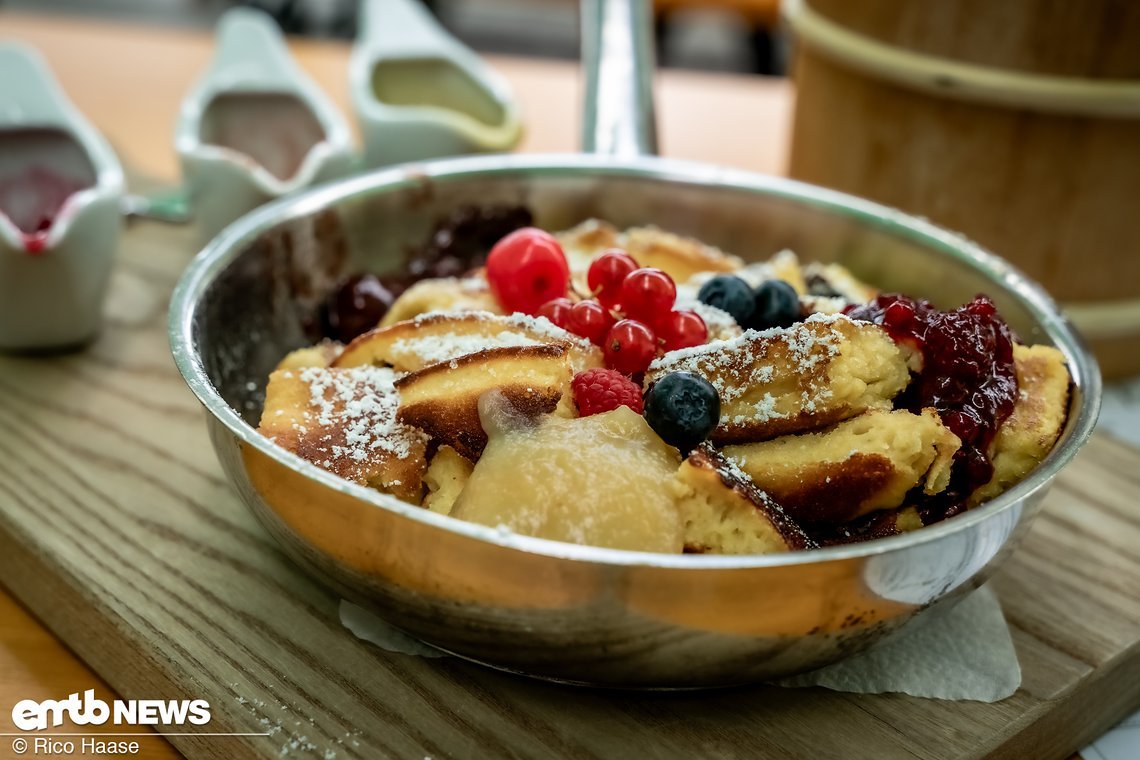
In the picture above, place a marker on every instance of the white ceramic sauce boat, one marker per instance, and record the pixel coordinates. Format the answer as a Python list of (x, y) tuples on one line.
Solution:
[(255, 127), (61, 187), (420, 93)]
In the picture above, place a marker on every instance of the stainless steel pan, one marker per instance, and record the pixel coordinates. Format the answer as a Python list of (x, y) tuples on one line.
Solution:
[(577, 613)]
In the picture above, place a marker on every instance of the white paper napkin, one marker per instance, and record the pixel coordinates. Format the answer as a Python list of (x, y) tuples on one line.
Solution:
[(1121, 743), (961, 652)]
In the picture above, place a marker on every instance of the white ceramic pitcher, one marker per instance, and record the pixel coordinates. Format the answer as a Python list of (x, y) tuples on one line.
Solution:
[(420, 93), (60, 191), (255, 126)]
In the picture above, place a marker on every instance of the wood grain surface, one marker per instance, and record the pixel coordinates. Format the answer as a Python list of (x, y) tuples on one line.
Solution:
[(118, 530)]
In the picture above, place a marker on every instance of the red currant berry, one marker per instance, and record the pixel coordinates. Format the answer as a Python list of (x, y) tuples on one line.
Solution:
[(590, 320), (682, 329), (526, 269), (647, 294), (606, 274), (630, 346), (557, 311)]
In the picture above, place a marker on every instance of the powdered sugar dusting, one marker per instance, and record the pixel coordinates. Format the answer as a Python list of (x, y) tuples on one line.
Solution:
[(537, 329), (433, 349), (670, 362), (547, 329), (743, 367), (361, 404)]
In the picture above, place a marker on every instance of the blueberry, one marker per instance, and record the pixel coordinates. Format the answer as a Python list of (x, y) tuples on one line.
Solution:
[(683, 409), (730, 294), (777, 305)]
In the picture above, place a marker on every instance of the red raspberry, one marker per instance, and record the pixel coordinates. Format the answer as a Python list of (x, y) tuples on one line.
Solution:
[(602, 390)]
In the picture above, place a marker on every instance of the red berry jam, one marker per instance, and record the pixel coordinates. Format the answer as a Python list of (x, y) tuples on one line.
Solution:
[(967, 376)]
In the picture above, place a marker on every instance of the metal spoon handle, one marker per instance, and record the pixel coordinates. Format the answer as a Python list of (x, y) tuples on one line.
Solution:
[(617, 58)]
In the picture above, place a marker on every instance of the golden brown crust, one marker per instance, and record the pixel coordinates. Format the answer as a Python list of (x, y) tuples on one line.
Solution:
[(834, 491), (305, 413), (1035, 423), (723, 511), (320, 355), (589, 238), (785, 266), (443, 399), (442, 294), (414, 344), (679, 257), (862, 465)]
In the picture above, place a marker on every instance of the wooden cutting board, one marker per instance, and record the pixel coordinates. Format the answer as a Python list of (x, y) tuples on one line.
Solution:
[(119, 531)]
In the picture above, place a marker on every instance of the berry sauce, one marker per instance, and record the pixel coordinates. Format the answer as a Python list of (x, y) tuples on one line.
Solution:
[(967, 376), (32, 200), (456, 245), (461, 241)]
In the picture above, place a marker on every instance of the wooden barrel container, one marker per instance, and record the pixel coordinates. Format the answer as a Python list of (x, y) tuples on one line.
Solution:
[(1016, 123)]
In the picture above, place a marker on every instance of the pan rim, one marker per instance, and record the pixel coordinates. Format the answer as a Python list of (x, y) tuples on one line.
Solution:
[(224, 248)]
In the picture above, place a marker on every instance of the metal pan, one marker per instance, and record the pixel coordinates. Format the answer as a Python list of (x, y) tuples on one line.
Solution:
[(577, 613)]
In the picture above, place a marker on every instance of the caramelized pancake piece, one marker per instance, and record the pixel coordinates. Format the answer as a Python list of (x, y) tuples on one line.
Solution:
[(445, 478), (859, 466), (443, 399), (785, 266), (818, 372), (1035, 423), (344, 421), (442, 294), (601, 480), (428, 339), (585, 241), (321, 355), (679, 257), (723, 512)]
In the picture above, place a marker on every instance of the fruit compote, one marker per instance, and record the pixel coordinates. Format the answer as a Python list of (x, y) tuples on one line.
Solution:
[(456, 245), (601, 480), (967, 375)]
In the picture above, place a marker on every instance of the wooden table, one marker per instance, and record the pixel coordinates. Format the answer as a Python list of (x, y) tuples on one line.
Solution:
[(129, 80)]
